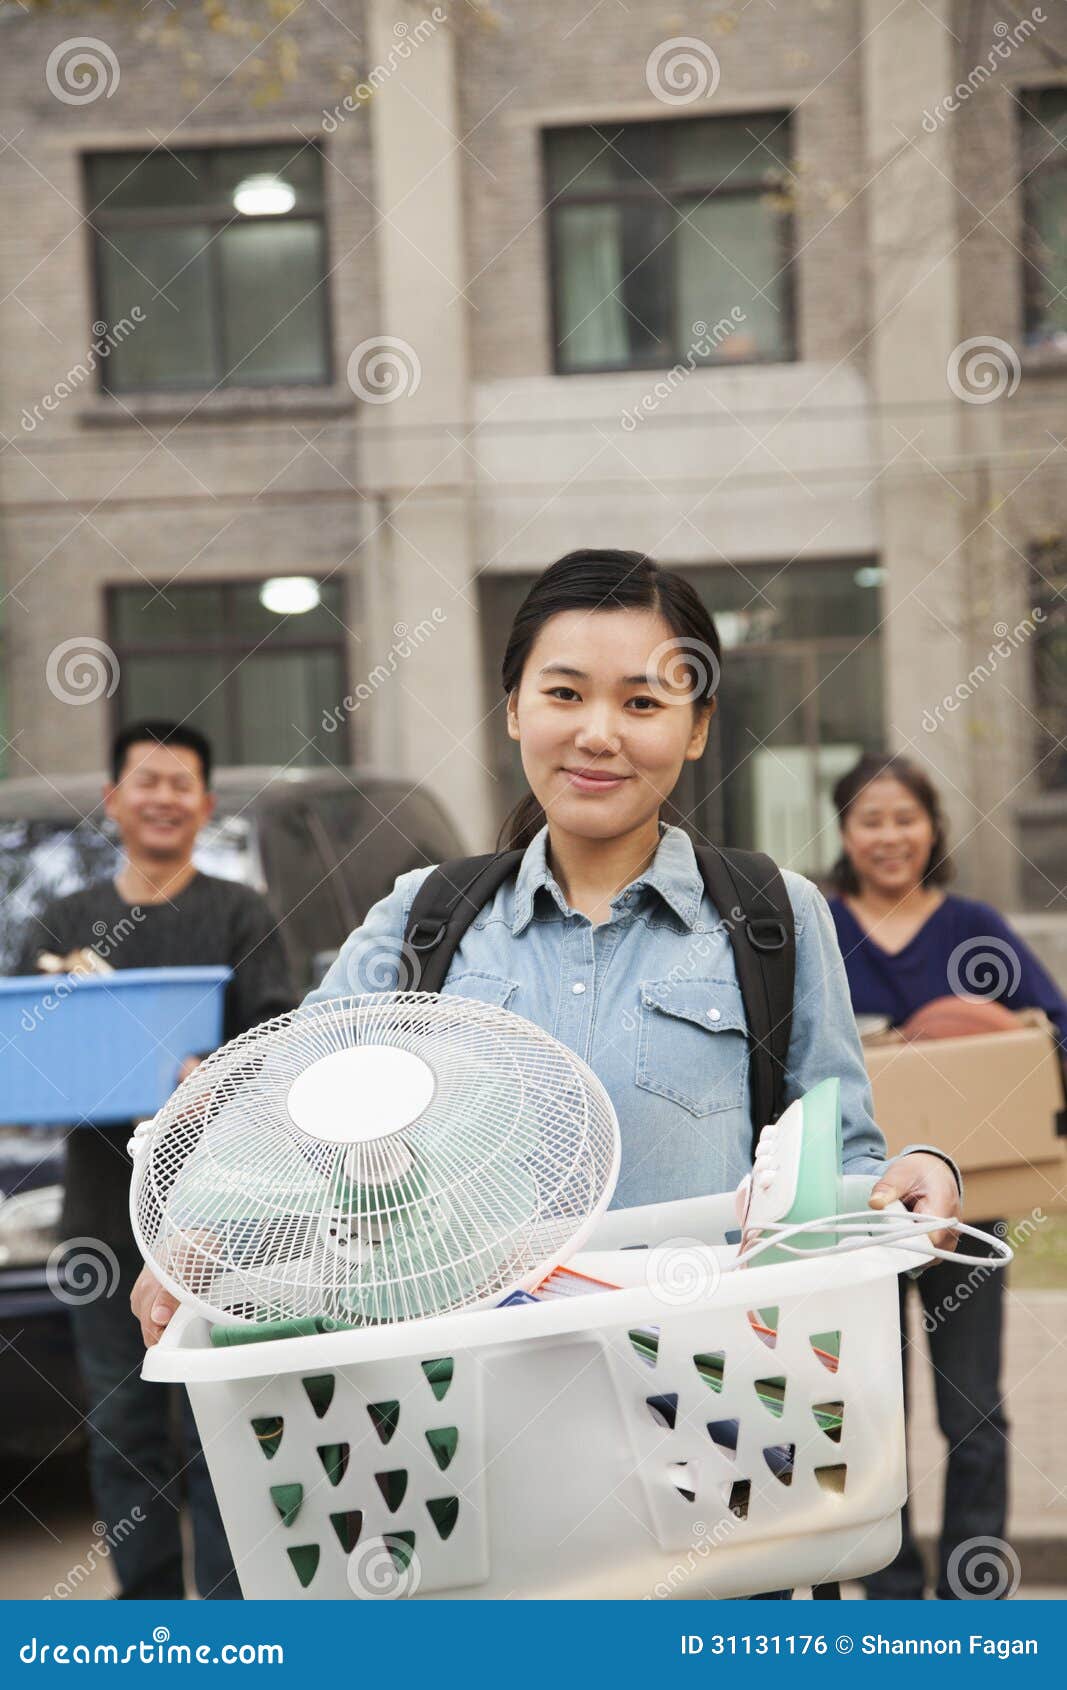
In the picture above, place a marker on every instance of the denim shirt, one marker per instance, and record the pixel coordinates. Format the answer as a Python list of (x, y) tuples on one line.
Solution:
[(650, 1000)]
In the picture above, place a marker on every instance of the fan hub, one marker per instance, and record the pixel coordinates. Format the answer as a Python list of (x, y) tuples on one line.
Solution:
[(356, 1096)]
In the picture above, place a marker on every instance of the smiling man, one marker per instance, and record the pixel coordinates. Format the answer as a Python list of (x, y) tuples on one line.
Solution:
[(160, 911)]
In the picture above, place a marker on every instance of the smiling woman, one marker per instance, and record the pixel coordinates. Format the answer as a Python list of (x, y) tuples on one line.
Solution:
[(600, 925), (610, 673)]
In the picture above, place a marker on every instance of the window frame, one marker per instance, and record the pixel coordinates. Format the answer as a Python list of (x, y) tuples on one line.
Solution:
[(215, 214), (232, 643), (665, 190), (1033, 284)]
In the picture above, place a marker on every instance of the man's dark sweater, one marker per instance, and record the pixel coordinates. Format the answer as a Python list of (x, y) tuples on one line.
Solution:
[(210, 922)]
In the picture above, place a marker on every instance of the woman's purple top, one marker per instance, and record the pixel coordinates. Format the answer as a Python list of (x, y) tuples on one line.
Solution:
[(964, 948)]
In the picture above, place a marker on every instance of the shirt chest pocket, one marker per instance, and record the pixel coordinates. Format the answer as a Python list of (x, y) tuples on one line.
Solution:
[(692, 1043), (485, 988)]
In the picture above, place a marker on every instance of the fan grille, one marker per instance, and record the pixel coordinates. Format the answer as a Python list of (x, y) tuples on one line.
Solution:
[(513, 1157)]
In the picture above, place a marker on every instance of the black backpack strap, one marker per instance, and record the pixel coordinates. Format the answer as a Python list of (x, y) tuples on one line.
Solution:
[(747, 889), (445, 905)]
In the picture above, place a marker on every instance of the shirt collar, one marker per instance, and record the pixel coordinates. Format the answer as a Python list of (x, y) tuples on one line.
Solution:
[(673, 875)]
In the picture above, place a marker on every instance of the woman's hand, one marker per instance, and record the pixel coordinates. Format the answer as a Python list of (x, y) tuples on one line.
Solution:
[(152, 1306), (926, 1185)]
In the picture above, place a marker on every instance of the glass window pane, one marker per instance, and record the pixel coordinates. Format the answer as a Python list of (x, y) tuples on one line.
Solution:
[(298, 164), (738, 596), (753, 603), (849, 708), (849, 697), (1048, 249), (163, 272), (613, 285), (740, 150), (274, 301), (604, 156), (174, 617), (731, 258), (1048, 649), (767, 765), (171, 179), (180, 689), (1044, 127), (252, 621), (578, 160), (159, 180), (822, 601), (283, 698), (638, 150)]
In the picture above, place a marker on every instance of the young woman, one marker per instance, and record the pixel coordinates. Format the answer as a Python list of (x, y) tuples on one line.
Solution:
[(606, 936), (906, 942)]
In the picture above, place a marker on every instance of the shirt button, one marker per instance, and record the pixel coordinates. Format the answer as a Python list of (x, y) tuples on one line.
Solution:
[(714, 1014), (577, 988)]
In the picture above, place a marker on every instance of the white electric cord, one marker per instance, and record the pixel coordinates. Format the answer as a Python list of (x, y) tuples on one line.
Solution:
[(862, 1229)]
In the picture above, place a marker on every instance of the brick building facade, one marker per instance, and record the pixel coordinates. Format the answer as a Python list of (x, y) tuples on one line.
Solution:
[(864, 521)]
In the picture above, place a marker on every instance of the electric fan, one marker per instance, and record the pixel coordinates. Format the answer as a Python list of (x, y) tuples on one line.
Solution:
[(373, 1159)]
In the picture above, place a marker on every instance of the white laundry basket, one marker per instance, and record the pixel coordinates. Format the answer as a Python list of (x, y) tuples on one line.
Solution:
[(529, 1452)]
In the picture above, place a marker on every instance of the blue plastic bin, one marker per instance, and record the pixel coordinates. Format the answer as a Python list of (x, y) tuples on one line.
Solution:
[(89, 1049)]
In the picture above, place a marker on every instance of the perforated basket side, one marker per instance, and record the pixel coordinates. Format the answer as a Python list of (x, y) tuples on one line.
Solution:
[(751, 1423), (357, 1481)]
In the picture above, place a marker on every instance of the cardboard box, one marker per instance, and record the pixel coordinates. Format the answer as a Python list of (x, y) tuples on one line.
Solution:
[(993, 1102)]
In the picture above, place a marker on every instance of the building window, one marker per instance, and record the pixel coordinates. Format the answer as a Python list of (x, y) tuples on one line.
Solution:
[(260, 684), (210, 267), (1048, 647), (1044, 162), (671, 240), (800, 701)]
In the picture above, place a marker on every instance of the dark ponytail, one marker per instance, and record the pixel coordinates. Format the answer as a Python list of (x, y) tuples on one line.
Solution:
[(608, 580), (939, 867)]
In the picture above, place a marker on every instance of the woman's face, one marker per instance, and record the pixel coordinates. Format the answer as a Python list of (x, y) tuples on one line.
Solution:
[(888, 837), (604, 720)]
